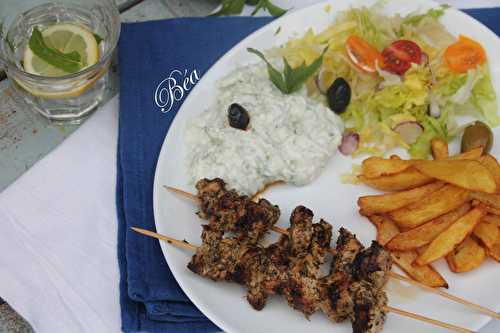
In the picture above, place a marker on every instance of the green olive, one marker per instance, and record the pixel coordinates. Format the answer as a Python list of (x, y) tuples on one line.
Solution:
[(475, 135)]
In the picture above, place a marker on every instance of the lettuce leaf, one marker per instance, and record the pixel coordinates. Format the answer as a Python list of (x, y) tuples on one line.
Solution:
[(485, 100), (470, 93), (433, 128), (434, 13)]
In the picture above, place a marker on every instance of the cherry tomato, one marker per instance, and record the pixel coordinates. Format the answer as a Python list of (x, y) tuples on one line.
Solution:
[(398, 56), (362, 54), (464, 55)]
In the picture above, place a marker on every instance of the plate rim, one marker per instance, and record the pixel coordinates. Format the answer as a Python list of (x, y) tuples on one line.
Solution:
[(157, 186)]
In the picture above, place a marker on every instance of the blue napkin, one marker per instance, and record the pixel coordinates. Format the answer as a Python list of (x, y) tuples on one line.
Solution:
[(150, 298)]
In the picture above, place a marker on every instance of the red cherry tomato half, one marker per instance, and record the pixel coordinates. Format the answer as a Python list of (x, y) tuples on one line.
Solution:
[(398, 56)]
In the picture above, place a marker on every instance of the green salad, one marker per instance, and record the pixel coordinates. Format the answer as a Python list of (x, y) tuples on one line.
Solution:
[(409, 79)]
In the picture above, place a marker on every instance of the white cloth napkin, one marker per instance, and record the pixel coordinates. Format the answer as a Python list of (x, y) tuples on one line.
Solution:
[(58, 225), (58, 265)]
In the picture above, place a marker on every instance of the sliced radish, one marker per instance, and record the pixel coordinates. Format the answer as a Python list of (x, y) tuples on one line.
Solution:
[(350, 143), (409, 131), (425, 58)]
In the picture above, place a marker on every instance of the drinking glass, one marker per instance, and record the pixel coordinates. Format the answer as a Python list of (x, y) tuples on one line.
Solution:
[(68, 98)]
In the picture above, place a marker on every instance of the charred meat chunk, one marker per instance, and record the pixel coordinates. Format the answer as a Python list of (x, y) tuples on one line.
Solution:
[(229, 212), (372, 264), (369, 312)]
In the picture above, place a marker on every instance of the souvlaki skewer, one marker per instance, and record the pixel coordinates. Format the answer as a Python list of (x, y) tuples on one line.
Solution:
[(227, 211), (362, 299)]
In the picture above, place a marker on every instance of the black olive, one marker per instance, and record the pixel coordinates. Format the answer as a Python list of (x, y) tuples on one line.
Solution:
[(252, 2), (238, 117), (339, 95)]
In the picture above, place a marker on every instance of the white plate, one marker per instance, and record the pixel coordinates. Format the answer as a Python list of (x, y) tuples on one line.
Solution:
[(224, 303)]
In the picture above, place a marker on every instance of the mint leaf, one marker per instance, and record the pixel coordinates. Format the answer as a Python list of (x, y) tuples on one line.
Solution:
[(260, 5), (297, 76), (98, 38), (267, 5), (275, 10), (68, 62), (274, 75), (291, 79), (230, 7)]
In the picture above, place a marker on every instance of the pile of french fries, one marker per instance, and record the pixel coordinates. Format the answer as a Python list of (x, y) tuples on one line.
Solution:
[(448, 207)]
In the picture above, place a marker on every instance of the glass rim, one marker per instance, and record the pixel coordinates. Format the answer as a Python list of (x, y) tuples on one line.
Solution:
[(12, 67)]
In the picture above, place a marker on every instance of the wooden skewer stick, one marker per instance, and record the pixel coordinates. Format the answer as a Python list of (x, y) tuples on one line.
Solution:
[(456, 299), (428, 320), (170, 240), (445, 295), (265, 188), (190, 247)]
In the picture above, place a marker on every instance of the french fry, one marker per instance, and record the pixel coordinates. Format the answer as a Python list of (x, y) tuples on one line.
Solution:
[(487, 232), (436, 204), (405, 180), (439, 149), (493, 219), (374, 167), (489, 209), (465, 257), (422, 249), (445, 242), (468, 174), (472, 154), (424, 234), (387, 229), (423, 274), (492, 165), (492, 200), (377, 204), (492, 210), (494, 251)]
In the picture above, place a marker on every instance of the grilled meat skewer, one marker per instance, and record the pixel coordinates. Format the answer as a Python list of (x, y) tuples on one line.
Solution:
[(290, 268)]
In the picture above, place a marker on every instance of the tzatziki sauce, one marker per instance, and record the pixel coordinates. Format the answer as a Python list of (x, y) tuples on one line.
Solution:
[(289, 138)]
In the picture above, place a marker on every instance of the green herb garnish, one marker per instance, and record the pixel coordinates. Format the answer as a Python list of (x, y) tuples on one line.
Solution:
[(235, 7), (68, 62), (98, 38), (272, 9), (230, 7), (291, 79)]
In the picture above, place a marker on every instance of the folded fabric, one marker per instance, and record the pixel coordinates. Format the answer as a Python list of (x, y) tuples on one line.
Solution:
[(150, 298), (57, 234)]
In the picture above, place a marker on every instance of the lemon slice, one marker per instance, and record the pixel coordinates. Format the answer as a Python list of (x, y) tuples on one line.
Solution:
[(65, 37)]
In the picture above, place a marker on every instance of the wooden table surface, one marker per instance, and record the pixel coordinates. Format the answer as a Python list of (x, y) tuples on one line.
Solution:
[(26, 137)]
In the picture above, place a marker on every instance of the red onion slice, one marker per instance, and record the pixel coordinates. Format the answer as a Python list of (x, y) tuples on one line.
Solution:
[(318, 85), (409, 131), (350, 143), (425, 59)]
